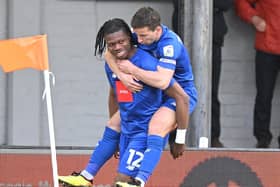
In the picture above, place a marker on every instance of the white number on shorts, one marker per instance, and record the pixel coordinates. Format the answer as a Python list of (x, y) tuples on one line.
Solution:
[(136, 163)]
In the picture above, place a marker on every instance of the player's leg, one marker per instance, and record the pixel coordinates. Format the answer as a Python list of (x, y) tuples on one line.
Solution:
[(178, 100), (104, 150), (131, 155), (162, 122), (185, 104), (175, 108)]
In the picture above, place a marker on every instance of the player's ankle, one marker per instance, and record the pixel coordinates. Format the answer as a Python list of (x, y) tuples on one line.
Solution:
[(87, 175), (139, 181)]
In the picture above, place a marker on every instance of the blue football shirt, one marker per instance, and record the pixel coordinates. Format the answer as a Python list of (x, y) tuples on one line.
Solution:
[(138, 110), (172, 54)]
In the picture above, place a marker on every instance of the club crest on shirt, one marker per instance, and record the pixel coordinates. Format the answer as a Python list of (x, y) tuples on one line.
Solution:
[(168, 51)]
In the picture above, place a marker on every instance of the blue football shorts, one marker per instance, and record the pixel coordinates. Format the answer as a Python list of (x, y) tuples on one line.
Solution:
[(170, 102), (131, 153)]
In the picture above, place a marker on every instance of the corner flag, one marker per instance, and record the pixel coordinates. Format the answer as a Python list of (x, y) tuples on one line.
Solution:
[(21, 53), (32, 52)]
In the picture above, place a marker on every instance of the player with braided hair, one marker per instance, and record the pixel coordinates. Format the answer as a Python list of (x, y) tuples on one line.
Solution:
[(173, 62), (132, 110)]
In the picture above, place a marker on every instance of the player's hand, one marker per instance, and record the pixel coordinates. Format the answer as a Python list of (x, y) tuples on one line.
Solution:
[(130, 82), (117, 154), (177, 150), (126, 66), (259, 23)]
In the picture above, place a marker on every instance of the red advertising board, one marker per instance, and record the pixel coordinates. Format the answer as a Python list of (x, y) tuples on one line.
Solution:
[(196, 168)]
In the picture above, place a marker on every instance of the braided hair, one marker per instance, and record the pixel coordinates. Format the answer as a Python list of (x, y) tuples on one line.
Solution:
[(109, 27)]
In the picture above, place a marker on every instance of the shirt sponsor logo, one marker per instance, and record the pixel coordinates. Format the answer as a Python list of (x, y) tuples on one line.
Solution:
[(123, 94)]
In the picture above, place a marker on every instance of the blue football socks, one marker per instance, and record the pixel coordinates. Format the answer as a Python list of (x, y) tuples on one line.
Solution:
[(155, 145), (103, 152)]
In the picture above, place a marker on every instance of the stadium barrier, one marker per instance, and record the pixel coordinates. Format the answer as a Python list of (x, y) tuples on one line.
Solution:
[(31, 167)]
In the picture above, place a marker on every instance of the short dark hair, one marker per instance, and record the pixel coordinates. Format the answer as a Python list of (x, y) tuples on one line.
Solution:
[(146, 17), (109, 27)]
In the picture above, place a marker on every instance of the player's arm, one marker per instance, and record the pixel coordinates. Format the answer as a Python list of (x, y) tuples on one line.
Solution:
[(182, 105), (114, 122), (112, 100), (168, 53), (112, 103), (159, 78), (127, 79), (182, 118)]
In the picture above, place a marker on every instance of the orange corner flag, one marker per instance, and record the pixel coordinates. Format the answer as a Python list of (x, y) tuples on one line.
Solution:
[(21, 53)]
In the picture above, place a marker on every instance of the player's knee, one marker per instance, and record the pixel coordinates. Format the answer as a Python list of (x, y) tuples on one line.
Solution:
[(159, 130), (113, 125)]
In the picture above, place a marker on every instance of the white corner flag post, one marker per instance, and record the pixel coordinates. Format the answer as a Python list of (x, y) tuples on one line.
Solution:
[(32, 52), (47, 93)]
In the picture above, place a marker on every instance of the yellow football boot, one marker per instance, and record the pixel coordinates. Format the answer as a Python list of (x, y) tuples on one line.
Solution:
[(72, 180), (126, 184)]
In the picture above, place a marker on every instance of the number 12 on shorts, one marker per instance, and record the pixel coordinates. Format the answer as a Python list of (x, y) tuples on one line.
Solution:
[(134, 159)]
